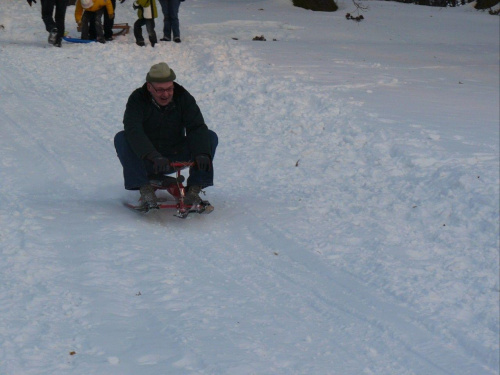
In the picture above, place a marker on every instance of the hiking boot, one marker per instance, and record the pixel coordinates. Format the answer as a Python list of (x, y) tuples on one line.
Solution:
[(165, 39), (52, 36), (140, 43), (148, 197), (58, 42), (193, 195), (177, 39)]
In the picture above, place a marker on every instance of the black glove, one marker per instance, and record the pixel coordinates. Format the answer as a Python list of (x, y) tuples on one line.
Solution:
[(204, 163), (136, 6), (122, 1), (160, 163), (30, 2)]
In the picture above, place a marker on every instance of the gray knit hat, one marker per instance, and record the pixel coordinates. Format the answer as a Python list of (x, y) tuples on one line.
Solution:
[(160, 73)]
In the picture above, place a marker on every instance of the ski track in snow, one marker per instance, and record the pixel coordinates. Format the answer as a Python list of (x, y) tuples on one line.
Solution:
[(337, 245)]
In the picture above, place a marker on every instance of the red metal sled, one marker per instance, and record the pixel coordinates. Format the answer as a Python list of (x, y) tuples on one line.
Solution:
[(175, 187)]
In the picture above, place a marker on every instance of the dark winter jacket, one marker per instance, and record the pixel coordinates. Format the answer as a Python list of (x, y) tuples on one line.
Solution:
[(149, 127)]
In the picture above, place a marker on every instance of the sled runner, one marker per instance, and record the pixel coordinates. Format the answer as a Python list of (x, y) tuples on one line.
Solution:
[(123, 29), (174, 186)]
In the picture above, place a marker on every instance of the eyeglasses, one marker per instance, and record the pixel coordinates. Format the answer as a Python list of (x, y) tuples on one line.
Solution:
[(162, 91)]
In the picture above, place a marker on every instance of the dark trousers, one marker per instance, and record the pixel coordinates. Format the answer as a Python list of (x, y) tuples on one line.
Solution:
[(48, 17), (136, 171), (150, 27), (108, 22), (92, 25), (170, 10)]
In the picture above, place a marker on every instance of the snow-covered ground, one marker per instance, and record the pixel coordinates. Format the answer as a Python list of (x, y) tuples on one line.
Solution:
[(356, 222)]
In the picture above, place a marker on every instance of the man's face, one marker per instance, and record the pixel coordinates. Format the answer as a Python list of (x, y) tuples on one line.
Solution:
[(162, 92)]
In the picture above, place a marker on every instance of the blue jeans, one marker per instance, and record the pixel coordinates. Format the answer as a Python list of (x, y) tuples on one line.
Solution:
[(170, 10), (136, 171)]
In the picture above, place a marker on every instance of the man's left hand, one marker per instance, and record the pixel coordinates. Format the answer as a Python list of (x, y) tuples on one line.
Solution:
[(203, 162), (30, 2)]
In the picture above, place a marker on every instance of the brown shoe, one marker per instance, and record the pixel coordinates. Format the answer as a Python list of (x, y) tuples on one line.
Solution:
[(193, 195)]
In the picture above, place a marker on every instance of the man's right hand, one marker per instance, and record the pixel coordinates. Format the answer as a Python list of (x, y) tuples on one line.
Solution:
[(160, 163), (30, 2)]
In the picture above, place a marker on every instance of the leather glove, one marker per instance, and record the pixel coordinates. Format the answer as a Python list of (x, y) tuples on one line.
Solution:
[(160, 163), (136, 5), (122, 1), (204, 163), (30, 2)]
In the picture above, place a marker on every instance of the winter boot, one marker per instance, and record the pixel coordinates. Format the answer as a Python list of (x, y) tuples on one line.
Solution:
[(193, 195), (52, 36), (153, 40), (148, 197), (58, 42)]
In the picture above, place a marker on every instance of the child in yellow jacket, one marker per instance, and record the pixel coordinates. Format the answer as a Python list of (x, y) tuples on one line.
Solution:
[(92, 11), (146, 13)]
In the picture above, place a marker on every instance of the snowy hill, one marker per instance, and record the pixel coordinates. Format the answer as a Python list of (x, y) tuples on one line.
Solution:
[(356, 222)]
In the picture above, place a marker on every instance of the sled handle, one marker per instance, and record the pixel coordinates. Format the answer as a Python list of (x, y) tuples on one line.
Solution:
[(178, 165)]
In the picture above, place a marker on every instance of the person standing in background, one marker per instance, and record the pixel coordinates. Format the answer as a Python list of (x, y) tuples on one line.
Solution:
[(170, 10), (54, 24), (89, 13), (146, 13)]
